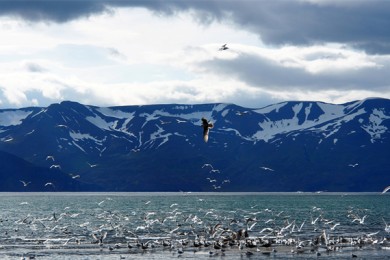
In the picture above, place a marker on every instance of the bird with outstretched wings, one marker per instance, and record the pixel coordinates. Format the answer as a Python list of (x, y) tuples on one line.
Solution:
[(206, 127), (224, 47)]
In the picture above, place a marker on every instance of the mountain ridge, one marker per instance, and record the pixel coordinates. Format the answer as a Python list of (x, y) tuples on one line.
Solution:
[(160, 147)]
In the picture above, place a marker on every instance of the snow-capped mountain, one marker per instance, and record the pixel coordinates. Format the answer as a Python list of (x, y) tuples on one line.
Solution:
[(290, 146)]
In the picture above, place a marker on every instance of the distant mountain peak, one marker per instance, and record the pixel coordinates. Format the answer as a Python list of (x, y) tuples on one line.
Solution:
[(160, 147)]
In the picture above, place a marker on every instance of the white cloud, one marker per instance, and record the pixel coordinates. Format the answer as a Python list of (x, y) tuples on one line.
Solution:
[(132, 56)]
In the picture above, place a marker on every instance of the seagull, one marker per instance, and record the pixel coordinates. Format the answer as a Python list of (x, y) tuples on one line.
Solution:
[(164, 122), (50, 157), (360, 220), (223, 47), (173, 205), (386, 189), (55, 166), (25, 183), (387, 227), (313, 222), (211, 180), (49, 184), (353, 165), (64, 126), (74, 176), (206, 126), (99, 239), (92, 165), (267, 169), (239, 113), (207, 165), (334, 226)]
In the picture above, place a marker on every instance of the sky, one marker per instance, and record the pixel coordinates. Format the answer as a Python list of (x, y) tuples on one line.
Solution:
[(140, 52)]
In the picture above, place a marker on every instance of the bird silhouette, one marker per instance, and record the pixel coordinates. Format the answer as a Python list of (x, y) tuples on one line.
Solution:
[(206, 126), (223, 47)]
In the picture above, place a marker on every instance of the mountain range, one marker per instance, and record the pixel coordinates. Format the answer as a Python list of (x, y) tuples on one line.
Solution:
[(289, 146)]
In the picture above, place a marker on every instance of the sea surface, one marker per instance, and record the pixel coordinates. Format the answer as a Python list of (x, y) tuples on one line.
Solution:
[(194, 225)]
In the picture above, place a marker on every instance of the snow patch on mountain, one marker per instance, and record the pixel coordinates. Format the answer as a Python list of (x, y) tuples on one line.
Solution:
[(80, 137), (219, 107), (374, 127), (159, 135), (78, 146), (100, 122), (237, 133), (271, 128), (116, 113), (268, 109), (12, 118), (334, 126), (225, 112), (331, 112), (183, 107), (154, 116), (307, 111)]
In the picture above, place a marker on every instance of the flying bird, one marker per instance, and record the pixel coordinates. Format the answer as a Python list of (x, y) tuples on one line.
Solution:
[(92, 165), (55, 166), (74, 176), (164, 122), (211, 180), (49, 184), (267, 169), (50, 157), (386, 189), (223, 47), (206, 127), (360, 220), (25, 183), (239, 113), (207, 165)]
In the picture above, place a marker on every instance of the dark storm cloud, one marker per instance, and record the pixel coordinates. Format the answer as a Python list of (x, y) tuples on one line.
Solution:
[(61, 11), (266, 74), (50, 10), (360, 23)]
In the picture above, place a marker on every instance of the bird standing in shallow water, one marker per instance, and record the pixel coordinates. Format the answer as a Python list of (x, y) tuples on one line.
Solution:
[(206, 127)]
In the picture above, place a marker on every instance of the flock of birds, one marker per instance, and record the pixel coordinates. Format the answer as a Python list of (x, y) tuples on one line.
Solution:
[(214, 179), (175, 230), (51, 185)]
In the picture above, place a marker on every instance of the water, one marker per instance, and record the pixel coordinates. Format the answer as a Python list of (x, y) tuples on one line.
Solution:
[(65, 225)]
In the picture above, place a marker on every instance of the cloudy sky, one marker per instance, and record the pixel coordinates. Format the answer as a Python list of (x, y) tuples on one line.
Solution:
[(133, 52)]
